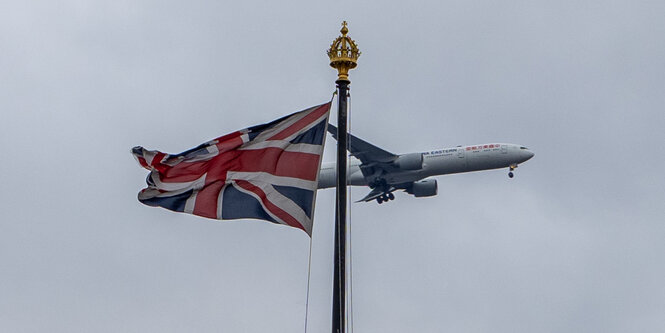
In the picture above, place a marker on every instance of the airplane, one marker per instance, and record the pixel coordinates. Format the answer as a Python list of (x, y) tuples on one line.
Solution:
[(385, 172)]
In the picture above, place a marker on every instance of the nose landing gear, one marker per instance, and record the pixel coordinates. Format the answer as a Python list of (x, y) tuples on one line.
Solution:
[(512, 168)]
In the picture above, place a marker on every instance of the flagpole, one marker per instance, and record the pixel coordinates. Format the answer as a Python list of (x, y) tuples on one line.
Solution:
[(339, 277), (343, 54)]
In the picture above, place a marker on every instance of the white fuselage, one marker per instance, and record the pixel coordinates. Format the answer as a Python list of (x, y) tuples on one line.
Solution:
[(438, 162)]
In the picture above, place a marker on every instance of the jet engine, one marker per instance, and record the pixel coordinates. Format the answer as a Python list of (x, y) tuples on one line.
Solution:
[(413, 161), (423, 188)]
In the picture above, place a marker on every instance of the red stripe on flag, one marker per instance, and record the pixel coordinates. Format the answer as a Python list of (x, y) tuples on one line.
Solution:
[(206, 200), (229, 142), (184, 172), (278, 162), (272, 160), (157, 162), (284, 216), (300, 124), (143, 162), (190, 171)]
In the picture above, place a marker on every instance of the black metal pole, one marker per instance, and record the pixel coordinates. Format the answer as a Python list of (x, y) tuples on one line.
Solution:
[(339, 279)]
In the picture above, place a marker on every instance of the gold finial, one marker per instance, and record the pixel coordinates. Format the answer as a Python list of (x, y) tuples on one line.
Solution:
[(343, 54)]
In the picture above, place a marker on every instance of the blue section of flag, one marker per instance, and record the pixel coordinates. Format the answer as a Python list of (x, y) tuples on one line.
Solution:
[(303, 198), (238, 205), (254, 131), (175, 203), (200, 150), (314, 135)]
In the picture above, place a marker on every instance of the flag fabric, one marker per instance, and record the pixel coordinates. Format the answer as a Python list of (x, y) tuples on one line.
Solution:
[(267, 172)]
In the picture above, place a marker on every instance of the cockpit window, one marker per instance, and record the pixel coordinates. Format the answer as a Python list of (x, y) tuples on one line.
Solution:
[(524, 148)]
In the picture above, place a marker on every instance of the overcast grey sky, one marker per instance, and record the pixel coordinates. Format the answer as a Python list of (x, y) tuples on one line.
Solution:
[(574, 243)]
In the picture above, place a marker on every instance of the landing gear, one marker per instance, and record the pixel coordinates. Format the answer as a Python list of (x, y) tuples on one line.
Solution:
[(385, 198), (510, 173)]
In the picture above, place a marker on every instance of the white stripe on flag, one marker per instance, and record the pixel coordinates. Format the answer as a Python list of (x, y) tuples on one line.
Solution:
[(220, 199), (285, 145), (264, 177), (191, 202), (148, 155), (193, 185), (286, 205)]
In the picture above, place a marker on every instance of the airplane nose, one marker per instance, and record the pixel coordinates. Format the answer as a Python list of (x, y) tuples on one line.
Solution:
[(528, 155)]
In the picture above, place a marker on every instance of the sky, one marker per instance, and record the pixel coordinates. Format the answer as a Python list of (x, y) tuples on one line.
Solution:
[(573, 243)]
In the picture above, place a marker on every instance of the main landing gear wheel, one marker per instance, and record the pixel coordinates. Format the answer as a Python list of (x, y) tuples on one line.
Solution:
[(385, 198)]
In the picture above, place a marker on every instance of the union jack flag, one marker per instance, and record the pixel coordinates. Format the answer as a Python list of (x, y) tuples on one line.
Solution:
[(267, 172)]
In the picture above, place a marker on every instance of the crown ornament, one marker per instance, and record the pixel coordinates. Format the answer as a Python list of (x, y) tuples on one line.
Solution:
[(343, 54)]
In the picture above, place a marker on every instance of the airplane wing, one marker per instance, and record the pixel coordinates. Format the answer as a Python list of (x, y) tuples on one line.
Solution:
[(366, 152), (376, 163)]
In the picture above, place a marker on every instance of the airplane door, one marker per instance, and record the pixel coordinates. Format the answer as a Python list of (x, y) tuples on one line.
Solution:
[(462, 162), (504, 149)]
